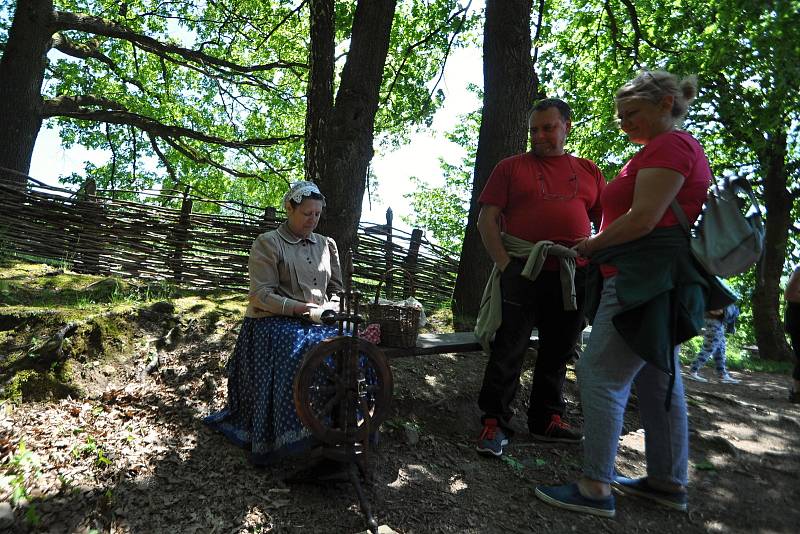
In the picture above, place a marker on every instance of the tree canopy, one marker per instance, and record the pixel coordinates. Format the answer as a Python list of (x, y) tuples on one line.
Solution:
[(213, 94)]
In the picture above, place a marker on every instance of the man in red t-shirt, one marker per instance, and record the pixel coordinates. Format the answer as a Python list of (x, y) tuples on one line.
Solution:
[(541, 195)]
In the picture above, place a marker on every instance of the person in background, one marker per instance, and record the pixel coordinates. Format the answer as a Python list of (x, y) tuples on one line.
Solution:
[(533, 208), (718, 323), (653, 298), (292, 272), (792, 325)]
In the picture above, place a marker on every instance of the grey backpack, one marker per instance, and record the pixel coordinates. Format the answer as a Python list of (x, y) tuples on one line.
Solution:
[(726, 241)]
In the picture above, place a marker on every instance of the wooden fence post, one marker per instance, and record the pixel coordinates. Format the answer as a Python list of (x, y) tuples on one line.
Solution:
[(388, 258), (410, 261), (268, 220), (180, 236), (90, 238)]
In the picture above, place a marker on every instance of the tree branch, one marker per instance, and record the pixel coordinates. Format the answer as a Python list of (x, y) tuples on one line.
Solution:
[(447, 53), (535, 39), (283, 21), (73, 107), (410, 48), (66, 104), (113, 149), (612, 24), (90, 51), (637, 30), (163, 158), (197, 157), (274, 170), (63, 20)]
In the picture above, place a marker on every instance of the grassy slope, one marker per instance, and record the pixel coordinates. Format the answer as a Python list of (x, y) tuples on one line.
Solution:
[(113, 318)]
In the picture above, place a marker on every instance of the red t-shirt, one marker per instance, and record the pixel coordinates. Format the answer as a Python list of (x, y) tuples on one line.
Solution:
[(546, 198), (676, 150)]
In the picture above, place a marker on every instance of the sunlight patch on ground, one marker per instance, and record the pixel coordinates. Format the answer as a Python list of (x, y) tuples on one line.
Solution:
[(725, 494), (257, 520), (413, 473), (764, 434), (737, 431), (633, 440), (457, 484)]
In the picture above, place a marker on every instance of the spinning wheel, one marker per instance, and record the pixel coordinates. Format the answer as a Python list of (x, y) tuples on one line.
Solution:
[(342, 390)]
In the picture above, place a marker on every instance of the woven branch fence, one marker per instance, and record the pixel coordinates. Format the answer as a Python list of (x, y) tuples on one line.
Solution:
[(169, 237)]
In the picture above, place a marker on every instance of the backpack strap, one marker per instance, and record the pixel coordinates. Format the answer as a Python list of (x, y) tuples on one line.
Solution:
[(743, 185), (681, 216), (739, 183)]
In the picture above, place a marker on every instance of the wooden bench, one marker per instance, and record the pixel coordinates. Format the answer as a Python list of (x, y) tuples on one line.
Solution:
[(456, 342)]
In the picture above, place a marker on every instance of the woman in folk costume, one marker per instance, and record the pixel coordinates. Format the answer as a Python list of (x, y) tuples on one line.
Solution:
[(292, 271)]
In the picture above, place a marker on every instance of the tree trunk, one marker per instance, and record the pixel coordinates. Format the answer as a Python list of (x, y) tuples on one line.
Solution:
[(767, 325), (349, 135), (509, 86), (320, 85), (21, 75)]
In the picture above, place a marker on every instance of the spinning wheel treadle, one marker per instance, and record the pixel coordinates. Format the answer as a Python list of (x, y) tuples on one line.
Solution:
[(338, 408)]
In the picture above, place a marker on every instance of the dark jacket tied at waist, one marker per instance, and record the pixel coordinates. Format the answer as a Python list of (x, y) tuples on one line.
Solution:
[(663, 291)]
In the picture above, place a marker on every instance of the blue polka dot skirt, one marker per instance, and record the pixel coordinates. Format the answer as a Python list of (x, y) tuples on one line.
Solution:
[(260, 414)]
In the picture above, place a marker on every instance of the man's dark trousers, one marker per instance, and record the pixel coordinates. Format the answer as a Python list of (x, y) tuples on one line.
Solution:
[(528, 304), (792, 325)]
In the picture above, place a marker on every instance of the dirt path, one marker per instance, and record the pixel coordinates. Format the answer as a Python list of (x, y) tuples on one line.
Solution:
[(135, 458)]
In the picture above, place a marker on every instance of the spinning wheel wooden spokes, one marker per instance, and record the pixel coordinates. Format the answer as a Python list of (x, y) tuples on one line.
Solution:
[(342, 392)]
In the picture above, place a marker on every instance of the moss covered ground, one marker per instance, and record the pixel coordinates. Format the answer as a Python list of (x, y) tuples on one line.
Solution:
[(60, 330)]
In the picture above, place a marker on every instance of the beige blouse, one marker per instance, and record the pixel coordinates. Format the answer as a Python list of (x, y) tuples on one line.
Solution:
[(286, 270)]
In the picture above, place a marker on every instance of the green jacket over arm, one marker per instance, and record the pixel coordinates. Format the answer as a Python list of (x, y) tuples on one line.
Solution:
[(490, 314), (663, 291)]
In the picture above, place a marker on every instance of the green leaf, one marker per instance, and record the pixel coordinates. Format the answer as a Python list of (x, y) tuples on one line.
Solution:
[(705, 465), (515, 464)]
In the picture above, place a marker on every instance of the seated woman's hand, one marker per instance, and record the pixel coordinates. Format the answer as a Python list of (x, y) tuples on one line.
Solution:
[(302, 307)]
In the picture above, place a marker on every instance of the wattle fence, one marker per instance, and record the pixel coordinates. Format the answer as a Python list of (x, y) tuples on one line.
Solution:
[(170, 237)]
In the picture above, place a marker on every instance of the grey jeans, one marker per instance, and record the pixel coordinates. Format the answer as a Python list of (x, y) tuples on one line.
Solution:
[(606, 372)]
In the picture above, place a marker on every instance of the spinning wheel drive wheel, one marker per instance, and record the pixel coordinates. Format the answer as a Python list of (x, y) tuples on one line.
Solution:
[(334, 407)]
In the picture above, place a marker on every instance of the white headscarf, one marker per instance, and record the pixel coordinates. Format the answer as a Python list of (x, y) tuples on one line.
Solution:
[(300, 190)]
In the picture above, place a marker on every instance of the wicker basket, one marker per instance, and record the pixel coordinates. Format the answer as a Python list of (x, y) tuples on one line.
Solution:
[(399, 324)]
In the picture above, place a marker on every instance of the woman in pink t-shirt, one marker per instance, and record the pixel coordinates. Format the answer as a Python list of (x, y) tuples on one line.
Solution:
[(636, 208)]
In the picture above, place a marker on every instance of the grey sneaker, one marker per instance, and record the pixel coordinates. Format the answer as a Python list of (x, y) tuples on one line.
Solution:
[(694, 375), (492, 439), (725, 378)]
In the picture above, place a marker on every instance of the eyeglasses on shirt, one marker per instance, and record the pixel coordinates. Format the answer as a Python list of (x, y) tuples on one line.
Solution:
[(571, 190)]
